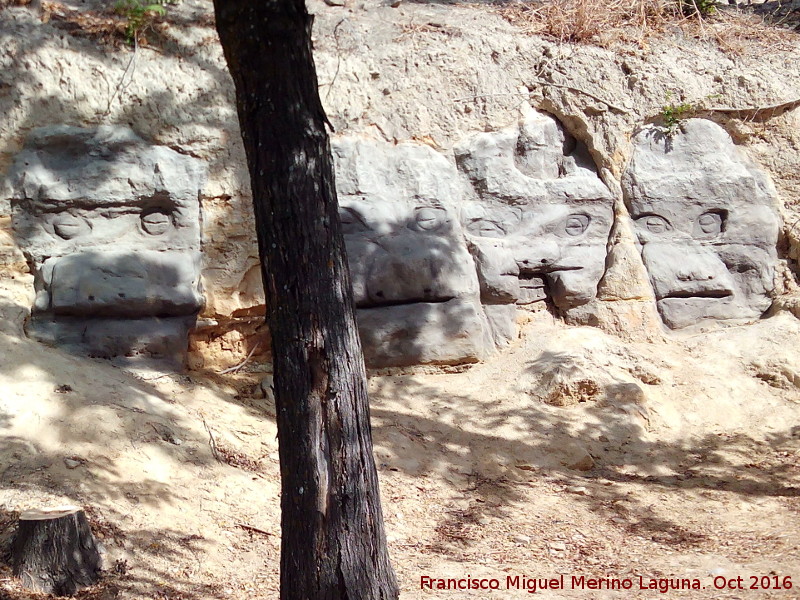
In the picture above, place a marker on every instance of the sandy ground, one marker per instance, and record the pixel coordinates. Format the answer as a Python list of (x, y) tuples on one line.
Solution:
[(571, 453)]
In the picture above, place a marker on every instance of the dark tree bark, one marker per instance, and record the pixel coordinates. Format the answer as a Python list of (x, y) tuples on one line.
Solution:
[(54, 551), (333, 544)]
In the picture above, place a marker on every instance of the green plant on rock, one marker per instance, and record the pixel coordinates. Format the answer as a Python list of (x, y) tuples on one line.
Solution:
[(672, 114), (139, 14)]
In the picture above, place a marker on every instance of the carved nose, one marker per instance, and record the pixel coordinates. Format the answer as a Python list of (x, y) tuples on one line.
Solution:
[(526, 263), (537, 256), (694, 275)]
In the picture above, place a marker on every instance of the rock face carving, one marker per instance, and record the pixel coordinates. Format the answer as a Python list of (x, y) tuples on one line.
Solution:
[(706, 220), (111, 228), (441, 255), (537, 221), (441, 259), (414, 282)]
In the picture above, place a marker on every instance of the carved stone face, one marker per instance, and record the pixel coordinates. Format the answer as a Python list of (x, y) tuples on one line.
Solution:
[(404, 253), (539, 224), (414, 281), (531, 254), (111, 229), (705, 218)]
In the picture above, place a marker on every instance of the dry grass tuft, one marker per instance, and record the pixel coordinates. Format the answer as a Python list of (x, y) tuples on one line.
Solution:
[(605, 22), (592, 20), (738, 33), (106, 28)]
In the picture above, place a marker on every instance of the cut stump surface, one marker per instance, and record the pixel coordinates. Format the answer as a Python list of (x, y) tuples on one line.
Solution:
[(54, 551)]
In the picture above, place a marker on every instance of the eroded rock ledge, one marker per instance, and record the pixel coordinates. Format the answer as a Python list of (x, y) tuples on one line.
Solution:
[(445, 250)]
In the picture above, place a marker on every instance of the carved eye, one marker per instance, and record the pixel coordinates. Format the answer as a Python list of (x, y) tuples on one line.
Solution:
[(156, 222), (351, 220), (486, 228), (709, 224), (429, 218), (654, 223), (67, 226), (576, 224)]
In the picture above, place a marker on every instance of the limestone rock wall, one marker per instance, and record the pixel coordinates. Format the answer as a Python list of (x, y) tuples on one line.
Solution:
[(539, 216), (707, 223), (436, 100), (110, 227)]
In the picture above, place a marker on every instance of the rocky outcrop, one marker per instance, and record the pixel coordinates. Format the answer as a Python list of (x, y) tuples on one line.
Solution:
[(706, 221), (538, 216), (110, 226), (443, 251), (433, 75), (414, 282), (442, 255)]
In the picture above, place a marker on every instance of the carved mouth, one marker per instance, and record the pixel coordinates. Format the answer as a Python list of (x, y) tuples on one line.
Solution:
[(711, 294), (530, 280), (527, 271), (379, 303), (533, 288)]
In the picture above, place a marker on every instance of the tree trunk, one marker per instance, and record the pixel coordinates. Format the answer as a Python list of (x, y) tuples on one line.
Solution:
[(54, 551), (333, 544)]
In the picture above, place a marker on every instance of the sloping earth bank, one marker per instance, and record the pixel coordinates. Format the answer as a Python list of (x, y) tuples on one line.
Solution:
[(572, 454)]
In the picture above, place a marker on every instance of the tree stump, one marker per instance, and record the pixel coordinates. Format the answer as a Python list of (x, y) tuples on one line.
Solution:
[(54, 551)]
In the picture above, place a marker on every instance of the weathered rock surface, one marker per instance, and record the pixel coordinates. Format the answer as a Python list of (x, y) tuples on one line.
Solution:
[(396, 79), (444, 333), (414, 282), (440, 259), (441, 252), (110, 226), (122, 284), (539, 216), (707, 222)]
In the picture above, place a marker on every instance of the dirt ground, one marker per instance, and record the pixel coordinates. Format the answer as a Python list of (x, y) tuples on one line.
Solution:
[(571, 453)]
